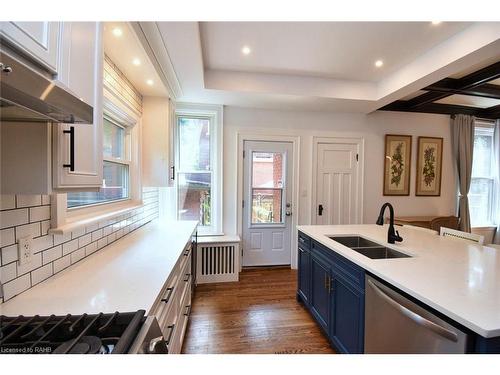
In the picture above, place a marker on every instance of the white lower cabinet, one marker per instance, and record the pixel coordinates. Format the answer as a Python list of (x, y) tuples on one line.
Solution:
[(173, 306), (39, 41)]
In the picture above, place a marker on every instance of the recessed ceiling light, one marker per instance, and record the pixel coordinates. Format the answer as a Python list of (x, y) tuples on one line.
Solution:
[(246, 50), (136, 62), (150, 82), (379, 63), (117, 31), (435, 23)]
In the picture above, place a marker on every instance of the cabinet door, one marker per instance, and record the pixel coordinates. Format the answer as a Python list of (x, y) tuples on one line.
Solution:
[(320, 293), (304, 274), (38, 40), (347, 316), (80, 66)]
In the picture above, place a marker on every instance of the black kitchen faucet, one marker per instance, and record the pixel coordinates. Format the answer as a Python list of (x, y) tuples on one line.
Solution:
[(392, 235)]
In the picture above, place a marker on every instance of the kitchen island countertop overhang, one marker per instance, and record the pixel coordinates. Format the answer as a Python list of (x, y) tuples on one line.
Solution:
[(459, 279)]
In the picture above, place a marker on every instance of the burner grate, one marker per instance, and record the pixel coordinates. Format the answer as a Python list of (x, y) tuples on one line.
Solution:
[(97, 333)]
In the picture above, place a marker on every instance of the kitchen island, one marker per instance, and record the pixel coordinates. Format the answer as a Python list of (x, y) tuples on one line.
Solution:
[(454, 278)]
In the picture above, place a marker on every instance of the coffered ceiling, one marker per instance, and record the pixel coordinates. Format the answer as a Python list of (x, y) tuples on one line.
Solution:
[(318, 66)]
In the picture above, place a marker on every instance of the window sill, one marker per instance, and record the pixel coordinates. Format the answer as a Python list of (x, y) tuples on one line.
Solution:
[(78, 221), (485, 227)]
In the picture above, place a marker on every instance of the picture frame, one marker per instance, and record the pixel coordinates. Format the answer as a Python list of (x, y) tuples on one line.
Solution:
[(429, 167), (397, 164)]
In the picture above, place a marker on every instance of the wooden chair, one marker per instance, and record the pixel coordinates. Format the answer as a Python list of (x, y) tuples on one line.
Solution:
[(422, 229), (444, 221), (447, 232)]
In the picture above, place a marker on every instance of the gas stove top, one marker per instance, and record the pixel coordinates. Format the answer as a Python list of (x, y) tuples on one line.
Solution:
[(112, 333)]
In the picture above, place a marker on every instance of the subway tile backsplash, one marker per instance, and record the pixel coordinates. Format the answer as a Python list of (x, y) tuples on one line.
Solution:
[(23, 215)]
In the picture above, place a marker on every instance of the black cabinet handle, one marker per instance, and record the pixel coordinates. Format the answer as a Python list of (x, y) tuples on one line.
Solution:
[(320, 210), (71, 133), (172, 327), (188, 275), (188, 310), (167, 298), (172, 172)]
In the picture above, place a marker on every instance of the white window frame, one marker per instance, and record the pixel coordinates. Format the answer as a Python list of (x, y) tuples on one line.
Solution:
[(486, 127), (127, 160), (215, 115), (64, 219)]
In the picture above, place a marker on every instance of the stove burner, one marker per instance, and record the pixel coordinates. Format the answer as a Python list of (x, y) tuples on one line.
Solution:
[(75, 334), (86, 345)]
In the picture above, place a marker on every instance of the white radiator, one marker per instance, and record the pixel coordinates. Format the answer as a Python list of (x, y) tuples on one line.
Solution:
[(217, 262)]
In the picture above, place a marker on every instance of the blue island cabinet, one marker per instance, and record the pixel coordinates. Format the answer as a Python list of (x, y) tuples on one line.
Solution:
[(304, 274), (332, 289)]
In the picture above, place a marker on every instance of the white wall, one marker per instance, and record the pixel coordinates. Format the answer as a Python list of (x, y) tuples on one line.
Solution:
[(372, 128)]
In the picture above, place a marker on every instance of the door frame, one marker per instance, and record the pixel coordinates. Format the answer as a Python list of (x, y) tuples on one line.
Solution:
[(294, 178), (361, 163)]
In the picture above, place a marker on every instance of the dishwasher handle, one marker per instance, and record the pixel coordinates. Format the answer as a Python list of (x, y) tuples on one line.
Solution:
[(420, 320)]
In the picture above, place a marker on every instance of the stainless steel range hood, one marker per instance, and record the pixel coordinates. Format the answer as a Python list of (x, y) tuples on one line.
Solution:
[(27, 95)]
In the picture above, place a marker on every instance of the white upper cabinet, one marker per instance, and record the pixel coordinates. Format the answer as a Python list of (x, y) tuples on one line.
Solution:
[(77, 163), (44, 158), (37, 40)]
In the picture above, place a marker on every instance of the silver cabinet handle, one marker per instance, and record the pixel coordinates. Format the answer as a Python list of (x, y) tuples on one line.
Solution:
[(420, 320), (154, 345)]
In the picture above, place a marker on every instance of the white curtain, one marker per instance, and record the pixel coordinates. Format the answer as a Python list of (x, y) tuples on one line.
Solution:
[(496, 190)]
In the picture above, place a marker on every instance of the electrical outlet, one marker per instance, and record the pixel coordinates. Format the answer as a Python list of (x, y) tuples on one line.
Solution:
[(25, 250)]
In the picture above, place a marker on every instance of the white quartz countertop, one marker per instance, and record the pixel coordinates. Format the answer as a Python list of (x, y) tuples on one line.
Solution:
[(127, 275), (455, 277)]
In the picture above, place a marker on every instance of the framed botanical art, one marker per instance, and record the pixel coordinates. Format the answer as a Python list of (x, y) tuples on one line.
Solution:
[(429, 164), (397, 164)]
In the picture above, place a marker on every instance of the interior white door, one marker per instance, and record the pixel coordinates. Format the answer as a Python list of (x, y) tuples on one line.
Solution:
[(337, 183), (267, 202)]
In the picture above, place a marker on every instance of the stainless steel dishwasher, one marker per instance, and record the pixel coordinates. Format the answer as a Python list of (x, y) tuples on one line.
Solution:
[(394, 325)]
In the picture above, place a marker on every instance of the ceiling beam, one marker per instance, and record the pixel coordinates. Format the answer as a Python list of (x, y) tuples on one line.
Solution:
[(491, 112), (448, 85), (437, 108), (467, 82)]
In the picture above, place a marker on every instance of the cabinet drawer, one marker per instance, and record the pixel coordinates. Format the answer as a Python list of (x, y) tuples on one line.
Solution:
[(184, 283), (175, 346), (185, 257), (304, 241), (341, 265), (167, 303)]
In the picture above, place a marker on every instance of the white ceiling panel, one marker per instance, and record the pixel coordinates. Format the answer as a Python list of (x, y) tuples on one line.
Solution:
[(341, 50), (469, 101)]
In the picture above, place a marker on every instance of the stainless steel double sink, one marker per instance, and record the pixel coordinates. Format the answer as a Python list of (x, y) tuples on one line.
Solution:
[(368, 248)]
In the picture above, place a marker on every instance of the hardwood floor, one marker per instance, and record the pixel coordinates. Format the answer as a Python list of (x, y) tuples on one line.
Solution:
[(258, 314)]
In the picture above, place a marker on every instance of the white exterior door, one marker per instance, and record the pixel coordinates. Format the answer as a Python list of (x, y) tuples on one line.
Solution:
[(338, 197), (267, 207)]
